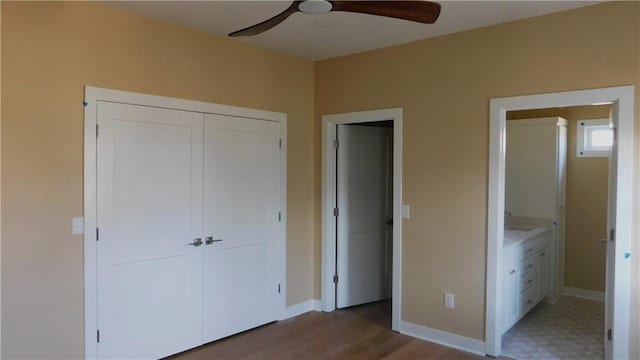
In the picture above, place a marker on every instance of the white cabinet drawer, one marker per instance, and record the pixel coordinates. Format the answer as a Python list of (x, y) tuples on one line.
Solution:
[(528, 264), (528, 300), (531, 246), (528, 280)]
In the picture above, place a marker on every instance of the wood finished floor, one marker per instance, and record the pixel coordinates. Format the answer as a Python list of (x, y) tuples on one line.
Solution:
[(362, 332)]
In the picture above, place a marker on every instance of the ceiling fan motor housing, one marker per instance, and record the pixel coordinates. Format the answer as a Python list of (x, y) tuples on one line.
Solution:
[(315, 6)]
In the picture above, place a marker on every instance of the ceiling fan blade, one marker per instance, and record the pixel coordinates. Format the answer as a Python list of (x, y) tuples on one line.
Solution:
[(425, 12), (267, 24)]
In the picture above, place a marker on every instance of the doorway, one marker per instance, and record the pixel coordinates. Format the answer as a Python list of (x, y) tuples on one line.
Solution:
[(361, 130), (556, 183), (364, 203), (619, 221)]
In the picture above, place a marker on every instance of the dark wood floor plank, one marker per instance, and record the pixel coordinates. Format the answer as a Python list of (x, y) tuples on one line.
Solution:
[(417, 349)]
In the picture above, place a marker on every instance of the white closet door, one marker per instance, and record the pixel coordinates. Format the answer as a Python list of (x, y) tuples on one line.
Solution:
[(149, 210), (241, 224), (365, 204)]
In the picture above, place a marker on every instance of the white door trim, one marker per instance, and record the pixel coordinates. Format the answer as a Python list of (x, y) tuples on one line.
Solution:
[(329, 123), (622, 98), (92, 96)]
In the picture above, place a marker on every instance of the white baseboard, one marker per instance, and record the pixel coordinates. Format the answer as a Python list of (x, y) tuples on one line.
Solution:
[(443, 338), (302, 308), (584, 294)]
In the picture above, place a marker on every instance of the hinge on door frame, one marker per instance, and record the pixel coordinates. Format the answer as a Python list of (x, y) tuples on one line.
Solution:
[(335, 212), (278, 288), (280, 144), (609, 334), (98, 335), (335, 278), (612, 234), (336, 144), (279, 215), (97, 234), (97, 130)]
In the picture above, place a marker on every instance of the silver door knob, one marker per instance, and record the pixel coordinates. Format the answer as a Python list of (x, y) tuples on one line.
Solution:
[(603, 240), (210, 240), (196, 242)]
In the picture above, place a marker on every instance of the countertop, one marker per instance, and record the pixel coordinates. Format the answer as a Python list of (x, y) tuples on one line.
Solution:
[(512, 237)]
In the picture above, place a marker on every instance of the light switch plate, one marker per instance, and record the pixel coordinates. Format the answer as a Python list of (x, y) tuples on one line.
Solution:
[(77, 225), (449, 301), (405, 211)]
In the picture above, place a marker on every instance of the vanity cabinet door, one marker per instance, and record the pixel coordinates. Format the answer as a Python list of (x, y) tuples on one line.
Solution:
[(511, 297), (543, 274)]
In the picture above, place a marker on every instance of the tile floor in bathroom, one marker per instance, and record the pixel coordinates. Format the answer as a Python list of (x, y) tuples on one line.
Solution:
[(572, 328)]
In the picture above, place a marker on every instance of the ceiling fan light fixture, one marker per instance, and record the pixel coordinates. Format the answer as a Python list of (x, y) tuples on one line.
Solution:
[(315, 6)]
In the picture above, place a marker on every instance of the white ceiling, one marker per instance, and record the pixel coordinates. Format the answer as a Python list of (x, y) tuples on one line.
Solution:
[(318, 37)]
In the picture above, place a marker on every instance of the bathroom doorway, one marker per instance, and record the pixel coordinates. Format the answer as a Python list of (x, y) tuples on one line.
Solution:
[(617, 301), (556, 195)]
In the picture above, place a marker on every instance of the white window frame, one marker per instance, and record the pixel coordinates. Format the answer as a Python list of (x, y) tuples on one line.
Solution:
[(585, 150)]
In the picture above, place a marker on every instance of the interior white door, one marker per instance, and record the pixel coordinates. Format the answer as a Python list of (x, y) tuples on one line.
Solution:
[(365, 205), (611, 244), (149, 183), (241, 224)]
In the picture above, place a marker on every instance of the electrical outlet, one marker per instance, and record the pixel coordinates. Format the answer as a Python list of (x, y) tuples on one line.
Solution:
[(449, 301), (77, 225)]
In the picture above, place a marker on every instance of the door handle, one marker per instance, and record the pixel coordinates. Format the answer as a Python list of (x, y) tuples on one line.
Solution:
[(603, 240), (390, 221), (196, 242), (210, 240)]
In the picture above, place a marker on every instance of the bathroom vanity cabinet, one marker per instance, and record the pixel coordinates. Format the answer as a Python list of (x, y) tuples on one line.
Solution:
[(525, 273)]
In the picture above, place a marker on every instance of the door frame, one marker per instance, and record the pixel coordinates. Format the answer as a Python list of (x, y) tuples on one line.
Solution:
[(91, 98), (329, 122), (621, 98)]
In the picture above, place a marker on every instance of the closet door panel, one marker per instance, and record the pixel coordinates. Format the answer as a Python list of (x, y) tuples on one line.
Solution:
[(149, 210), (241, 224)]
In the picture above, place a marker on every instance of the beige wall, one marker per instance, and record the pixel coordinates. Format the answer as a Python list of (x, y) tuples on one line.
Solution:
[(586, 209), (444, 85), (50, 51)]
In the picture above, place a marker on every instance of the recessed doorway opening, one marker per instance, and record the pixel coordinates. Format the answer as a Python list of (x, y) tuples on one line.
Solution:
[(555, 204), (619, 222), (361, 202)]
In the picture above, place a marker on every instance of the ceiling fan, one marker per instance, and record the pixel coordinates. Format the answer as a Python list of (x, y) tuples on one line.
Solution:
[(425, 12)]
